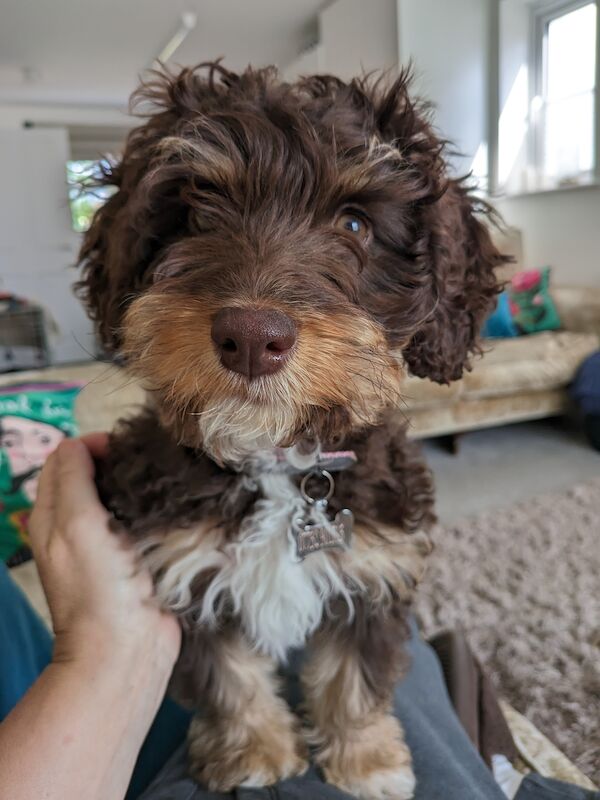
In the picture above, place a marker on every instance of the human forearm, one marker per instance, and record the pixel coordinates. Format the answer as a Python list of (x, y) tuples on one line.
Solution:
[(79, 729), (77, 732)]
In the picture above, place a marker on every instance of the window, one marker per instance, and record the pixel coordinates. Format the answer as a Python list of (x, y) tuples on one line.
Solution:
[(85, 196), (562, 108)]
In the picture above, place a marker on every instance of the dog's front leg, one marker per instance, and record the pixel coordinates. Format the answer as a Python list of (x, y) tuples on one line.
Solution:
[(245, 734), (348, 687)]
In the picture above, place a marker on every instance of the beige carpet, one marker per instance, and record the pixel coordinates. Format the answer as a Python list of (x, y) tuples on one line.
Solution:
[(524, 583)]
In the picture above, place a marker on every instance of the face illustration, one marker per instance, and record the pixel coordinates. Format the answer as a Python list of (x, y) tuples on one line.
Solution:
[(27, 443)]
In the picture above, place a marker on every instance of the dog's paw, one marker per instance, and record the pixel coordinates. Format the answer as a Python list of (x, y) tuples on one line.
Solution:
[(225, 756), (371, 764), (392, 784)]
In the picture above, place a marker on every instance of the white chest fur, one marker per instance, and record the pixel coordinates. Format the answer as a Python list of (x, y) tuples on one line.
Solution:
[(279, 599)]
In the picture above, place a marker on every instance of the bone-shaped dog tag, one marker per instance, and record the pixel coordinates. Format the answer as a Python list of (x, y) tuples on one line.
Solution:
[(311, 537)]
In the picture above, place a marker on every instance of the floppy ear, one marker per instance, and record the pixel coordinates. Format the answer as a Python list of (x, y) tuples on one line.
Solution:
[(148, 211), (463, 262), (107, 249), (126, 236), (453, 245)]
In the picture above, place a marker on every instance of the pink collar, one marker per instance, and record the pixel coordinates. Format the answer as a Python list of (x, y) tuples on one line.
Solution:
[(332, 461)]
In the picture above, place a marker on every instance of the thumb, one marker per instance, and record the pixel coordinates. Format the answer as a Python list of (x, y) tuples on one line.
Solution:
[(75, 489), (44, 508)]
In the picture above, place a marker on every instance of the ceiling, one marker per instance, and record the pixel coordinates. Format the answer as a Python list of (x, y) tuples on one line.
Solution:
[(90, 52)]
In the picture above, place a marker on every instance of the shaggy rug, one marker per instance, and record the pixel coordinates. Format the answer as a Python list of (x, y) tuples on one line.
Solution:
[(524, 584)]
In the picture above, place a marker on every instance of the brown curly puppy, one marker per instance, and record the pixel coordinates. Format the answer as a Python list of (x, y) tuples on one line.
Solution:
[(274, 259)]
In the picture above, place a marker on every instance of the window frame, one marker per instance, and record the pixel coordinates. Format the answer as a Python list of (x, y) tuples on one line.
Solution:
[(541, 15)]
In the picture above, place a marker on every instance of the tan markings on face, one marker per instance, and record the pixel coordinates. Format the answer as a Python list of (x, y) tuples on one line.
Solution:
[(343, 360), (247, 735), (167, 342), (339, 360)]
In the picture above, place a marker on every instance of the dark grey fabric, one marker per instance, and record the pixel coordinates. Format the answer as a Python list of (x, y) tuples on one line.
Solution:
[(535, 787), (446, 764)]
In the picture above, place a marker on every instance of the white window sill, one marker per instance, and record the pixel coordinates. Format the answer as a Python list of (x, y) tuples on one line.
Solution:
[(500, 194)]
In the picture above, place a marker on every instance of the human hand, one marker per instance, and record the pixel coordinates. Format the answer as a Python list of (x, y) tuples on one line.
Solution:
[(100, 600)]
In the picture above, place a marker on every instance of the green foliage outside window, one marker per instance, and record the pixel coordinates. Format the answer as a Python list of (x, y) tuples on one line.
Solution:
[(85, 195)]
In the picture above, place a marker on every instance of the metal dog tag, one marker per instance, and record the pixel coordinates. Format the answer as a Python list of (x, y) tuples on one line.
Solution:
[(313, 534), (311, 537)]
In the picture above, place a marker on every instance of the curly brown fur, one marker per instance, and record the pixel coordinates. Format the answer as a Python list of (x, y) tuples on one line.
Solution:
[(152, 484), (390, 483), (328, 204)]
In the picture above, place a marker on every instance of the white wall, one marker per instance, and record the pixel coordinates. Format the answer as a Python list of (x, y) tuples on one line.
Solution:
[(13, 115), (354, 37), (37, 244), (448, 44), (309, 62), (358, 36), (561, 229), (38, 247), (513, 99)]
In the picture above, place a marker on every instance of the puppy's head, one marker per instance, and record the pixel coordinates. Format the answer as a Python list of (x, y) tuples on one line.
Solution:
[(275, 254)]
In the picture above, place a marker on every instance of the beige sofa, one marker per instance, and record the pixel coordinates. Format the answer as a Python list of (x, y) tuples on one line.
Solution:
[(516, 379)]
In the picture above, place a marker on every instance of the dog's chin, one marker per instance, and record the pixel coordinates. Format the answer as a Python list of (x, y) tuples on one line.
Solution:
[(236, 430), (240, 427)]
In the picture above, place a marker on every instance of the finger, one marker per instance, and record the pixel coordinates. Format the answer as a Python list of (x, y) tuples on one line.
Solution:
[(75, 489), (44, 506), (96, 443)]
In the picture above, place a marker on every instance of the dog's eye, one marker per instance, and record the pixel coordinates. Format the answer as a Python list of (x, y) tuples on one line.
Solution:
[(355, 224)]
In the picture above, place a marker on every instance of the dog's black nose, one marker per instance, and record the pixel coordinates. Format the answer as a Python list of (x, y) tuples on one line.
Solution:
[(253, 342)]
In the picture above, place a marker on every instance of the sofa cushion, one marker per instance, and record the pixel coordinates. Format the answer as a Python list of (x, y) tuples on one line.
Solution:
[(422, 393), (578, 307), (531, 303), (538, 362), (484, 412)]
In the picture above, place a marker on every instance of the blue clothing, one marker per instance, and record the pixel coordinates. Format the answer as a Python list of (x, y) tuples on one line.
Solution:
[(26, 649), (585, 388), (25, 644)]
